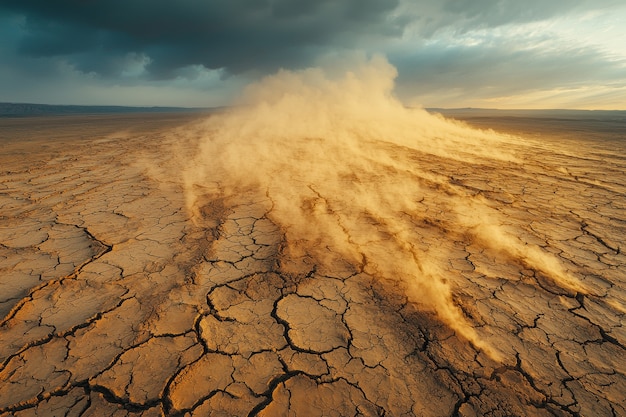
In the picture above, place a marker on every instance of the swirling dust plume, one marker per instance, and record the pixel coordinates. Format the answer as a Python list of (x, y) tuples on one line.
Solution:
[(336, 153)]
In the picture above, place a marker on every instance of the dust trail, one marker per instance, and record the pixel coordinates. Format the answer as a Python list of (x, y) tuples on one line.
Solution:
[(353, 173)]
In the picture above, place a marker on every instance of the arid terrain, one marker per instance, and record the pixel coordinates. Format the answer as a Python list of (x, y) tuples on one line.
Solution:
[(146, 270)]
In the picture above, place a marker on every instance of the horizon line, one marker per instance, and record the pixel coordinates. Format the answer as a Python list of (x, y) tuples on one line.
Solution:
[(167, 107)]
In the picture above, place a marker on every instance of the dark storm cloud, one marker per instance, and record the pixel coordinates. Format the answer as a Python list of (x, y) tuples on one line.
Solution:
[(481, 47), (238, 35)]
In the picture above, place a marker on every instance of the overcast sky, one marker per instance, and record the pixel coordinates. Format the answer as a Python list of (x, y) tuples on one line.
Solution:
[(449, 53)]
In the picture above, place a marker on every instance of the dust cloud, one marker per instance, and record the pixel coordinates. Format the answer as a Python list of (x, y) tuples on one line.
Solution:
[(353, 174)]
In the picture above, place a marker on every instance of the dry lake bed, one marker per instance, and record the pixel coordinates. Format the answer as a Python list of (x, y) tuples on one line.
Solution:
[(382, 279)]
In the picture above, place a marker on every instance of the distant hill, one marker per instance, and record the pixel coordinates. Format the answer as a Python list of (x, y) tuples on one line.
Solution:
[(31, 109), (564, 114), (590, 124)]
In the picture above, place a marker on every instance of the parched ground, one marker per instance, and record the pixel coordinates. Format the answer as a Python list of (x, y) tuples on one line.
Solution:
[(114, 303)]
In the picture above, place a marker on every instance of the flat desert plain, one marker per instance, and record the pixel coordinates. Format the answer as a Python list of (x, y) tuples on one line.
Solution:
[(190, 265)]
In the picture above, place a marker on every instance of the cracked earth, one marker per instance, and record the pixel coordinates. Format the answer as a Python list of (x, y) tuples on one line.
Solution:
[(114, 301)]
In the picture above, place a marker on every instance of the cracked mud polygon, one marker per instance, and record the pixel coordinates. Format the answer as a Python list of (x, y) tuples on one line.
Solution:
[(410, 280)]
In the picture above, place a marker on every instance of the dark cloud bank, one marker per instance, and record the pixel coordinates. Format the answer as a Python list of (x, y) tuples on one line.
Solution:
[(165, 40), (239, 35)]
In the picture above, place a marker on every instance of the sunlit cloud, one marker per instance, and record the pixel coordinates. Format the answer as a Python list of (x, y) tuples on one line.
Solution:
[(514, 65)]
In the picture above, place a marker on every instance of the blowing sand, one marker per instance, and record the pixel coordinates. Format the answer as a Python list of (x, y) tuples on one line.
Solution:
[(175, 265)]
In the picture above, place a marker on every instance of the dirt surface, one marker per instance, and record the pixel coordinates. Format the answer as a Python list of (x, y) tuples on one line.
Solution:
[(113, 302)]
